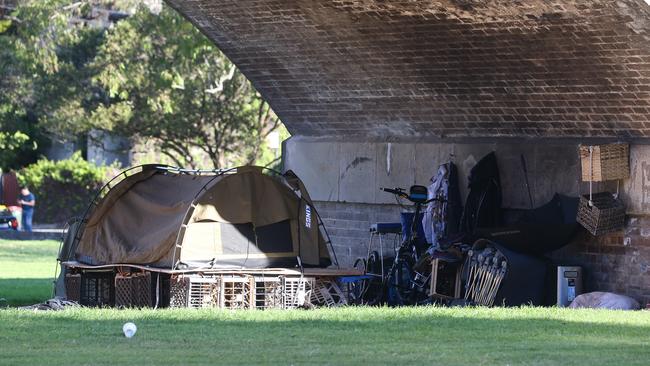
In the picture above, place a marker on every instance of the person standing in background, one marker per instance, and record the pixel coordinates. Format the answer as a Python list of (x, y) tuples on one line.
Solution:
[(27, 200)]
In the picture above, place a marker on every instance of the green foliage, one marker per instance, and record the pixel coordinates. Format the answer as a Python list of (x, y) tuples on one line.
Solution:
[(149, 77), (166, 81), (63, 188), (11, 144), (12, 141), (15, 99)]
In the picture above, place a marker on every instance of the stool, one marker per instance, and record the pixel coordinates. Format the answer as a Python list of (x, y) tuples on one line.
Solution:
[(380, 229), (348, 281)]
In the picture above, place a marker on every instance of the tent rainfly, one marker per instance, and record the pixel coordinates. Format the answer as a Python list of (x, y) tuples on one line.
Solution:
[(159, 216)]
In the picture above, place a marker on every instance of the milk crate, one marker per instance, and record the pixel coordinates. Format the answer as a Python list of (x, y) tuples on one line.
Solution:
[(204, 292), (237, 292), (178, 291), (604, 215), (97, 288), (268, 293), (297, 291), (73, 286), (133, 290), (605, 162)]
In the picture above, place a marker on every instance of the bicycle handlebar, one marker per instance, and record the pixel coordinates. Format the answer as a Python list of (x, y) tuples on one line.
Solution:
[(402, 193), (396, 191)]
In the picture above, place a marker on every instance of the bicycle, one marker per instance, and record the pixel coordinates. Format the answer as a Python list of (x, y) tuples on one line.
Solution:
[(407, 280)]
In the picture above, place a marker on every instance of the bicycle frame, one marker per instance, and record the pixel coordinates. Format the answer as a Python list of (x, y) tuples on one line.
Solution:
[(407, 252)]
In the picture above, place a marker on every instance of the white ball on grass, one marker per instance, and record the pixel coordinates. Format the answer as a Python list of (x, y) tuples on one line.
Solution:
[(129, 329)]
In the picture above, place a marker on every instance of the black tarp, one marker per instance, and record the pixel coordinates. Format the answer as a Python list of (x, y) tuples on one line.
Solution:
[(540, 230), (525, 279), (483, 204)]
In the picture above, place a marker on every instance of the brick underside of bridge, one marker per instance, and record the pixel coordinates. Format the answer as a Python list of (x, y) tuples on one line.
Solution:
[(347, 77), (417, 69)]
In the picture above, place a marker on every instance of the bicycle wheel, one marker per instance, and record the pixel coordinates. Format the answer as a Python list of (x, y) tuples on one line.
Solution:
[(374, 291), (400, 281), (358, 288)]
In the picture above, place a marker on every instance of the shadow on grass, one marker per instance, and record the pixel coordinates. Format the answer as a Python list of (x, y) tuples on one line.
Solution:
[(24, 291), (370, 337)]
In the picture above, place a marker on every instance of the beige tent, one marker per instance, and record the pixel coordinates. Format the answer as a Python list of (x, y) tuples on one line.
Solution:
[(178, 219)]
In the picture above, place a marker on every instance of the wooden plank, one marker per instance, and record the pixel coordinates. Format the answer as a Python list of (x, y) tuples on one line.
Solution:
[(324, 272)]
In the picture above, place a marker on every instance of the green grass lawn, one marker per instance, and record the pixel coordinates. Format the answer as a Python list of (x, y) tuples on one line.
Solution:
[(26, 271), (350, 336)]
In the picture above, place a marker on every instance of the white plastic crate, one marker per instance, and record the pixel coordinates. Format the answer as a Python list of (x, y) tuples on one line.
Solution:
[(204, 292), (237, 292), (268, 292), (297, 291)]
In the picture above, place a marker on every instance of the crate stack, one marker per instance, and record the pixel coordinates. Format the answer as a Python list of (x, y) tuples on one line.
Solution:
[(138, 288), (252, 292), (603, 212)]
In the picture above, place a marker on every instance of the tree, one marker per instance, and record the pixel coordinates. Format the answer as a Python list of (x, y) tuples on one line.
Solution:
[(165, 80), (40, 75), (19, 136), (148, 77)]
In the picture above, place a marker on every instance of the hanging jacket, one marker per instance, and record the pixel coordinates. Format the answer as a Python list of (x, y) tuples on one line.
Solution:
[(442, 216)]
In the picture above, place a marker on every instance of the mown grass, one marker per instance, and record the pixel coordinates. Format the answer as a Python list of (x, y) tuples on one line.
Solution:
[(343, 336), (350, 336), (26, 271)]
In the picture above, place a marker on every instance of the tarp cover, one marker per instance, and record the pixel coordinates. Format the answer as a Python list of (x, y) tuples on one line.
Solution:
[(138, 221), (241, 219)]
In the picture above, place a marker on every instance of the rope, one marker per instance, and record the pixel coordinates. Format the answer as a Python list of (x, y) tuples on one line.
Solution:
[(591, 174), (157, 290)]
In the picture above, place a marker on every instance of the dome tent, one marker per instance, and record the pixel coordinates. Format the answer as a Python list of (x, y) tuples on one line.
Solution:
[(167, 217)]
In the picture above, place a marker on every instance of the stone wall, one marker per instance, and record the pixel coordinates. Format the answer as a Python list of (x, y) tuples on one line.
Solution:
[(618, 262), (348, 225)]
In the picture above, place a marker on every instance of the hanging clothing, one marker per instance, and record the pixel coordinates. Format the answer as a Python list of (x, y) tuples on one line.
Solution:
[(442, 216)]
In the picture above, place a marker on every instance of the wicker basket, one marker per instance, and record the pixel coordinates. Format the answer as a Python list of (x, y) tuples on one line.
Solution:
[(604, 215), (605, 162)]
